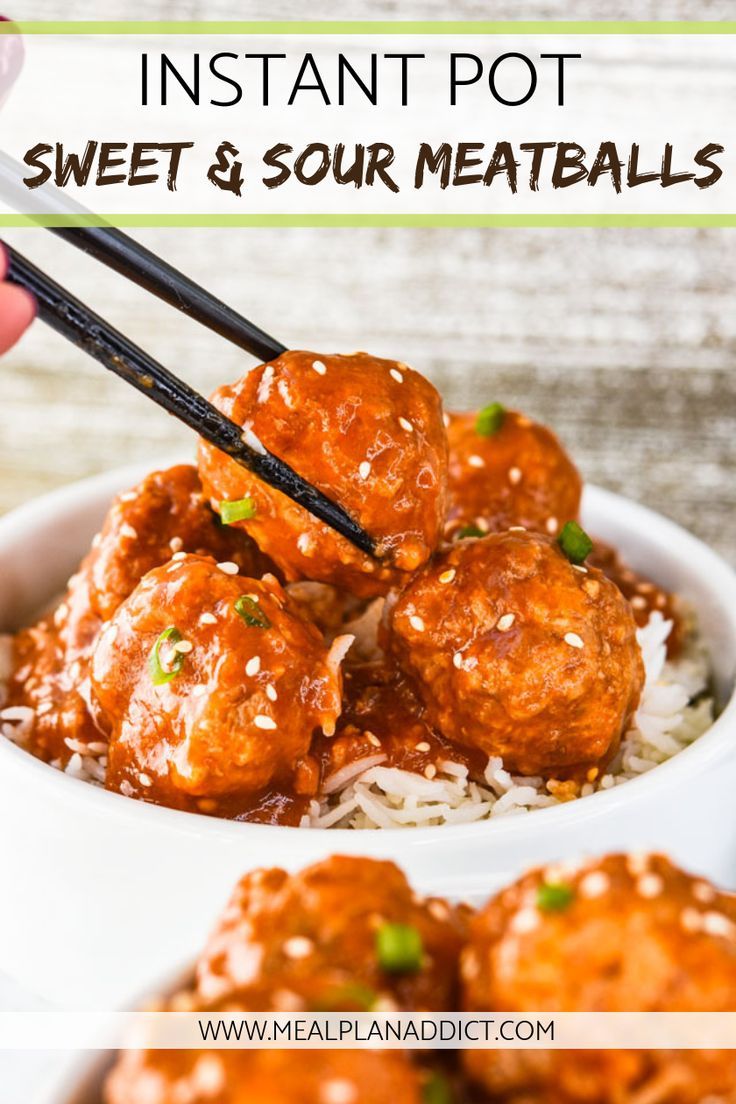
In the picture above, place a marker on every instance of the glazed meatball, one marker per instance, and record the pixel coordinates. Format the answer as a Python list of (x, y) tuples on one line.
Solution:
[(624, 934), (265, 1077), (520, 653), (347, 934), (369, 434), (163, 514), (210, 684), (507, 470)]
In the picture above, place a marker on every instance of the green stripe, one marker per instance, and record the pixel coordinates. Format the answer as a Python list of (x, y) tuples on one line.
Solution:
[(365, 27), (327, 220)]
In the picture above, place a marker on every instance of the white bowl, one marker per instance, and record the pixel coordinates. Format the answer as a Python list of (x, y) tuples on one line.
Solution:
[(102, 893)]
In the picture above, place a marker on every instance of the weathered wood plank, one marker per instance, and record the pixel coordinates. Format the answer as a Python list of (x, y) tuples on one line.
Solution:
[(623, 340)]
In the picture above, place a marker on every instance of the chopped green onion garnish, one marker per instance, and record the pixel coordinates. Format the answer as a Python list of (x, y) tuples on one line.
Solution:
[(399, 948), (554, 897), (251, 613), (436, 1090), (574, 542), (469, 531), (239, 510), (160, 674), (353, 993), (490, 419)]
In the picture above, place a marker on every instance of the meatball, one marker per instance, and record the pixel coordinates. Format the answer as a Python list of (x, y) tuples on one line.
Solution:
[(264, 1077), (507, 470), (211, 684), (165, 513), (520, 653), (369, 434), (623, 934), (346, 934)]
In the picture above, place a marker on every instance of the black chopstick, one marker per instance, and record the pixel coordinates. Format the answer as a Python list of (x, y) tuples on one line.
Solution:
[(85, 329), (134, 261)]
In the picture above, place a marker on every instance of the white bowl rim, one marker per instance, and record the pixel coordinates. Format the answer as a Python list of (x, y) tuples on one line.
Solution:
[(704, 752)]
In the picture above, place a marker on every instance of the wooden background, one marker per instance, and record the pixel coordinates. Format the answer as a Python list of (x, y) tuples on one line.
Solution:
[(623, 340)]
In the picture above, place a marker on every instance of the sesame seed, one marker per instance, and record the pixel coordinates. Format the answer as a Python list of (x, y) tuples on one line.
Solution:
[(637, 863), (372, 739), (703, 892), (128, 531), (574, 640), (525, 920), (448, 576), (262, 721), (551, 525), (320, 367), (44, 707), (271, 692), (396, 374), (179, 556), (476, 461), (338, 1092), (594, 884), (208, 619), (406, 424), (514, 475), (446, 420), (430, 771), (649, 885), (253, 666), (183, 647), (298, 947), (422, 746), (482, 524), (364, 470), (145, 779), (228, 567), (457, 660), (504, 623), (199, 691), (638, 602), (517, 529), (129, 496), (715, 923), (416, 623), (645, 588), (690, 920), (304, 543), (580, 568), (176, 544)]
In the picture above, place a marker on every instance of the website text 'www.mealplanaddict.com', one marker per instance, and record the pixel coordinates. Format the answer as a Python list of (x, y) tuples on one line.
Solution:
[(408, 1031)]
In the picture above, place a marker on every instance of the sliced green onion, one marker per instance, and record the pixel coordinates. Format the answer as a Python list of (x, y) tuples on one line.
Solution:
[(239, 510), (251, 613), (575, 542), (436, 1090), (490, 419), (159, 674), (554, 897), (469, 531), (399, 949), (351, 993)]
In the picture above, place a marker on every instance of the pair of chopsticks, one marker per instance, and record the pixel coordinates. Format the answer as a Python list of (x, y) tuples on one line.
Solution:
[(64, 313)]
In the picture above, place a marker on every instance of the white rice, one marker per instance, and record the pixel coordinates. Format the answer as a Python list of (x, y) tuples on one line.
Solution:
[(672, 714), (366, 794)]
